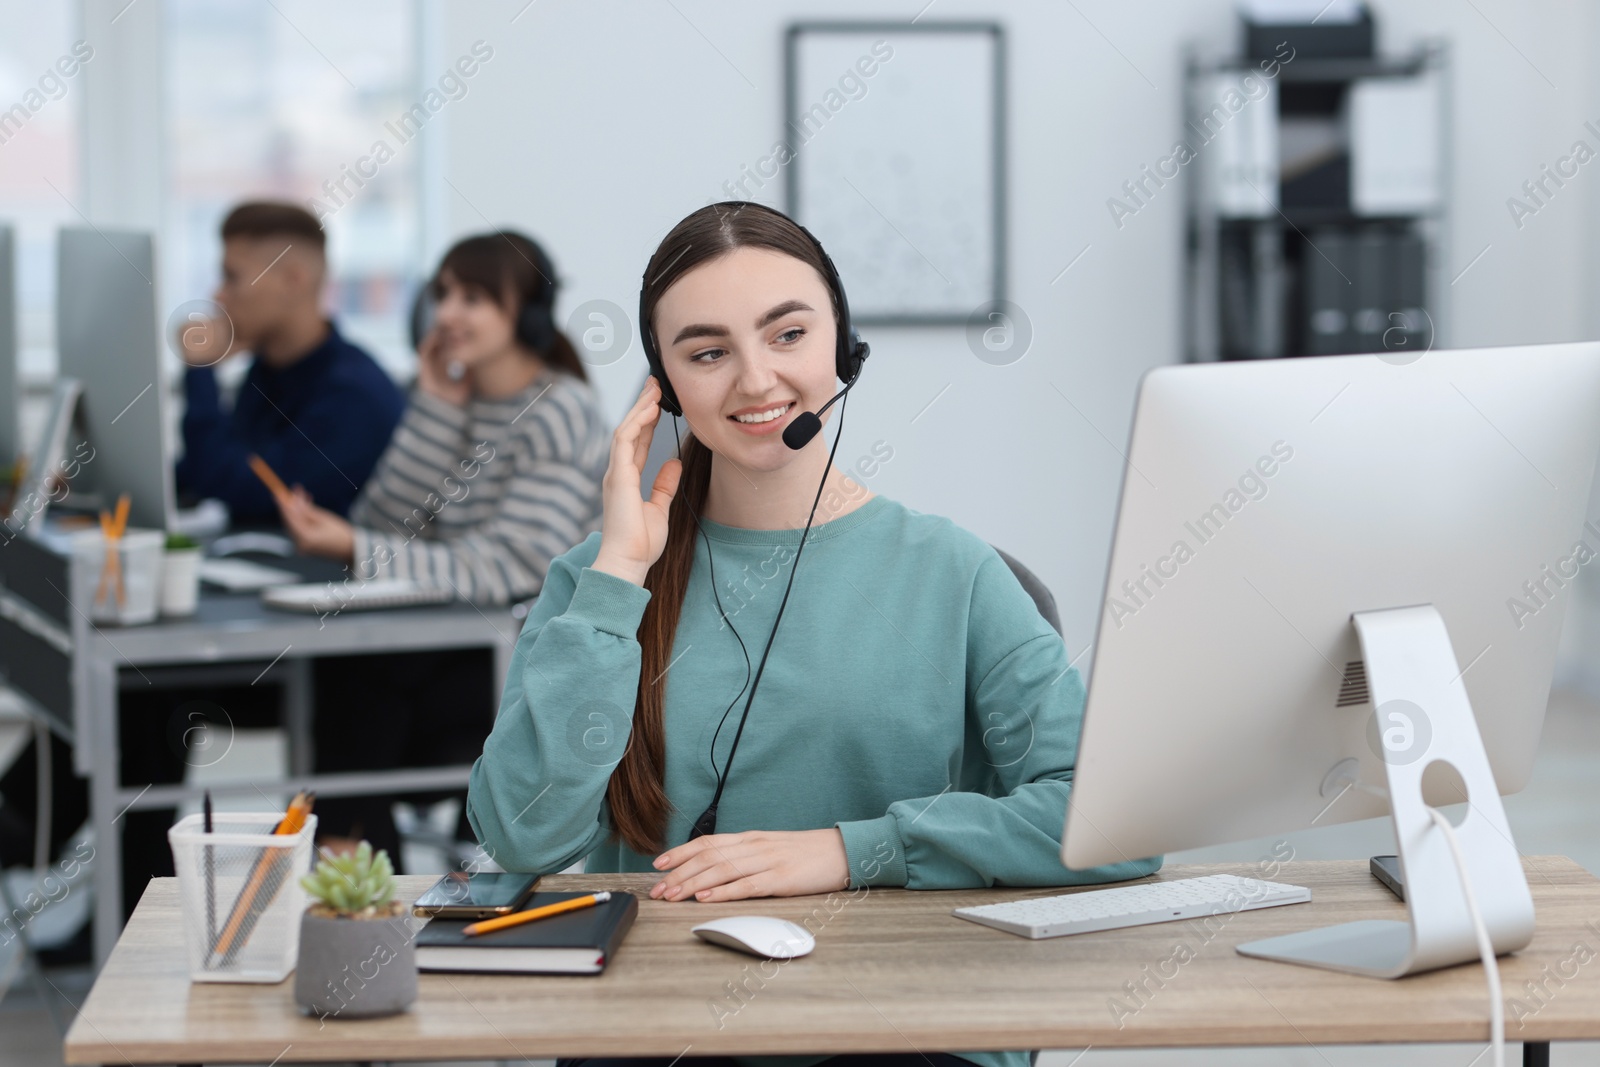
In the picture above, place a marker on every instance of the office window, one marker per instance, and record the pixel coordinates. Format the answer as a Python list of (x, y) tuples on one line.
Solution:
[(283, 100), (39, 183)]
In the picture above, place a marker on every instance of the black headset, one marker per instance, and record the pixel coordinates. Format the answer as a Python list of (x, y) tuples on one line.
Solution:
[(851, 351), (849, 355), (536, 323)]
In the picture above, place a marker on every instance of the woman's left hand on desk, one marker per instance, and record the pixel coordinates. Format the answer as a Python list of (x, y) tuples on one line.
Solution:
[(757, 863)]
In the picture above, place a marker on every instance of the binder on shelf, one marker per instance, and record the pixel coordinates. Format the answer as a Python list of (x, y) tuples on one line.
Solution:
[(1371, 291), (1326, 266), (1410, 327), (1271, 289), (1236, 136), (1394, 145)]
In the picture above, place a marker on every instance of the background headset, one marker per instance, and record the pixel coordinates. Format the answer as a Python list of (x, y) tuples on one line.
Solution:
[(849, 355), (535, 321)]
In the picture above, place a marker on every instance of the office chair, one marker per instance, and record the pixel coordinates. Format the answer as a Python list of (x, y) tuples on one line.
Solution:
[(28, 959), (1038, 590)]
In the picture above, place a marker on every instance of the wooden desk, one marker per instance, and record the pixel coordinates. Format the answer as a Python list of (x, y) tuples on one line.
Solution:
[(893, 970)]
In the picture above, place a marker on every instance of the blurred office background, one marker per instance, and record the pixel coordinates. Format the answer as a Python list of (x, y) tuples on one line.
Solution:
[(595, 126)]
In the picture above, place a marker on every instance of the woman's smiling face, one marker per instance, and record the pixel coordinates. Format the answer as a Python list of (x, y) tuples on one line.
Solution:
[(748, 341), (473, 326)]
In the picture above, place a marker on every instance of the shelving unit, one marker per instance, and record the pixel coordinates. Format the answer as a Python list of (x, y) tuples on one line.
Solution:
[(1302, 262)]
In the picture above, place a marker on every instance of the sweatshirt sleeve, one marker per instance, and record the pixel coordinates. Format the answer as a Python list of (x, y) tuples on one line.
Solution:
[(536, 798), (1002, 823)]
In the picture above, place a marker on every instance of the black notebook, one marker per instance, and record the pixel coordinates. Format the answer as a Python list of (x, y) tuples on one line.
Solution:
[(574, 942)]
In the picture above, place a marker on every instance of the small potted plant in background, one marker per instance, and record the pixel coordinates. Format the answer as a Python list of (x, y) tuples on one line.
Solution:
[(180, 575), (357, 953)]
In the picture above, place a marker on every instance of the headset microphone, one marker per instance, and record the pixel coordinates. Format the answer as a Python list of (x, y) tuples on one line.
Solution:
[(807, 424)]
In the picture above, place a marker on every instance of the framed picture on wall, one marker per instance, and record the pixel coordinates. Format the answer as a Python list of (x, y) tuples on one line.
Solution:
[(897, 137)]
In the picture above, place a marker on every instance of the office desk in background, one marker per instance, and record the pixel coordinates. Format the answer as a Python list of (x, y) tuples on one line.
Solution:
[(71, 671), (893, 971)]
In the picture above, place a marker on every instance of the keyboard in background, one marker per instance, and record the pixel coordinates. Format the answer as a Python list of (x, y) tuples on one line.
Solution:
[(242, 576), (322, 598), (1133, 905)]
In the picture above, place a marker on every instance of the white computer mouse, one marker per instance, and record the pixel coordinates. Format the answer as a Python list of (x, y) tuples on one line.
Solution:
[(759, 935)]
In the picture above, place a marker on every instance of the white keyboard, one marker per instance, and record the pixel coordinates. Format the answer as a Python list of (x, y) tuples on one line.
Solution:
[(330, 597), (1134, 905)]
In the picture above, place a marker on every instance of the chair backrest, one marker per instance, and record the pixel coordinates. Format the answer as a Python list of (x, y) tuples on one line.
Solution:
[(1036, 589)]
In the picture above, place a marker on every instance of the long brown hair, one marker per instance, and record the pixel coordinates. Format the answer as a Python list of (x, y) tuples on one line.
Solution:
[(637, 793), (514, 271)]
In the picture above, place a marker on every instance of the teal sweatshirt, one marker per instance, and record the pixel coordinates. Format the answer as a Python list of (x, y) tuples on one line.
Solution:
[(914, 698)]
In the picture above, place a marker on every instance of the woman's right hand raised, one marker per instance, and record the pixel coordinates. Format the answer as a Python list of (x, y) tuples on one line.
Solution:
[(633, 531), (433, 376)]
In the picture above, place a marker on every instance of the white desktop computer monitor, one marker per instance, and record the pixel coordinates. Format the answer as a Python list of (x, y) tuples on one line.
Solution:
[(1330, 578), (106, 337)]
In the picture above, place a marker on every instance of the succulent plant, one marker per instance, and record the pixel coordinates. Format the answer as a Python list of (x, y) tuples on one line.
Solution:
[(355, 884)]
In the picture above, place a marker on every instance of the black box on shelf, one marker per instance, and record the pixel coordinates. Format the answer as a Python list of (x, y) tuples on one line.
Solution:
[(1312, 40)]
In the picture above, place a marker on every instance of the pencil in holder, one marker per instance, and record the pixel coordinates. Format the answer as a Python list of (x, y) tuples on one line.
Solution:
[(120, 579), (241, 894)]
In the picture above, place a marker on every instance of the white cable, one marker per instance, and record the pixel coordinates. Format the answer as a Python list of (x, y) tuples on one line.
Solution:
[(1491, 967)]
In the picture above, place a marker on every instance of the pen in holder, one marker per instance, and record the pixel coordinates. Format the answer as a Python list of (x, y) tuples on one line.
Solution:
[(248, 877), (211, 874)]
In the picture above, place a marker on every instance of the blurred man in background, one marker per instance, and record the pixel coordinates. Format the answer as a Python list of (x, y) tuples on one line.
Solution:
[(315, 407)]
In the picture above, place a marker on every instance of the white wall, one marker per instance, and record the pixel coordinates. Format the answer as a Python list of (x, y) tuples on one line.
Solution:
[(598, 125)]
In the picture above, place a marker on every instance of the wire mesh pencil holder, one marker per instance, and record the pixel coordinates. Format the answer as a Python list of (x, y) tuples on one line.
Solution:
[(241, 894)]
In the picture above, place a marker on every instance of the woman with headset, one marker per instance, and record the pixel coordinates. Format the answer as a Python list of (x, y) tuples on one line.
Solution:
[(494, 471), (495, 467), (916, 721)]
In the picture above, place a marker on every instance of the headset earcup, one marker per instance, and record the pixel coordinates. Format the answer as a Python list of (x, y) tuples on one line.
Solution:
[(419, 313), (536, 328), (669, 399), (853, 357)]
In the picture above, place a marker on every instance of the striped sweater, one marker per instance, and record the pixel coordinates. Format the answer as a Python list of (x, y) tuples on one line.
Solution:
[(481, 498)]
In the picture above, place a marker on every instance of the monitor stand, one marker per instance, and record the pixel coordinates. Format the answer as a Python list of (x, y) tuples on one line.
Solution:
[(1422, 715)]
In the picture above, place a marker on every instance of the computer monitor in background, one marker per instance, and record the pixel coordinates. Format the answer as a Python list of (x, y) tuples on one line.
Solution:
[(1330, 578), (10, 378), (106, 336)]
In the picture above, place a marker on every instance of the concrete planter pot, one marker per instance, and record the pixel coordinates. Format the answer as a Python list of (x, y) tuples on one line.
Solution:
[(355, 968)]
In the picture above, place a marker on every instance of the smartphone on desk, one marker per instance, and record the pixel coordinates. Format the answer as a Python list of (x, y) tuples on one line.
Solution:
[(481, 895)]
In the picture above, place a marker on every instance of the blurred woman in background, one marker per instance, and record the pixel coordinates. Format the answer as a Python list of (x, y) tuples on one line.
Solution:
[(494, 471), (495, 468)]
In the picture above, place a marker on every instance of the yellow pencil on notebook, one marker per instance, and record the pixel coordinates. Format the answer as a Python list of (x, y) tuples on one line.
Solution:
[(518, 918)]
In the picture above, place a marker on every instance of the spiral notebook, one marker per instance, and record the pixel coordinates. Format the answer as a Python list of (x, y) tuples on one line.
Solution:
[(573, 942)]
